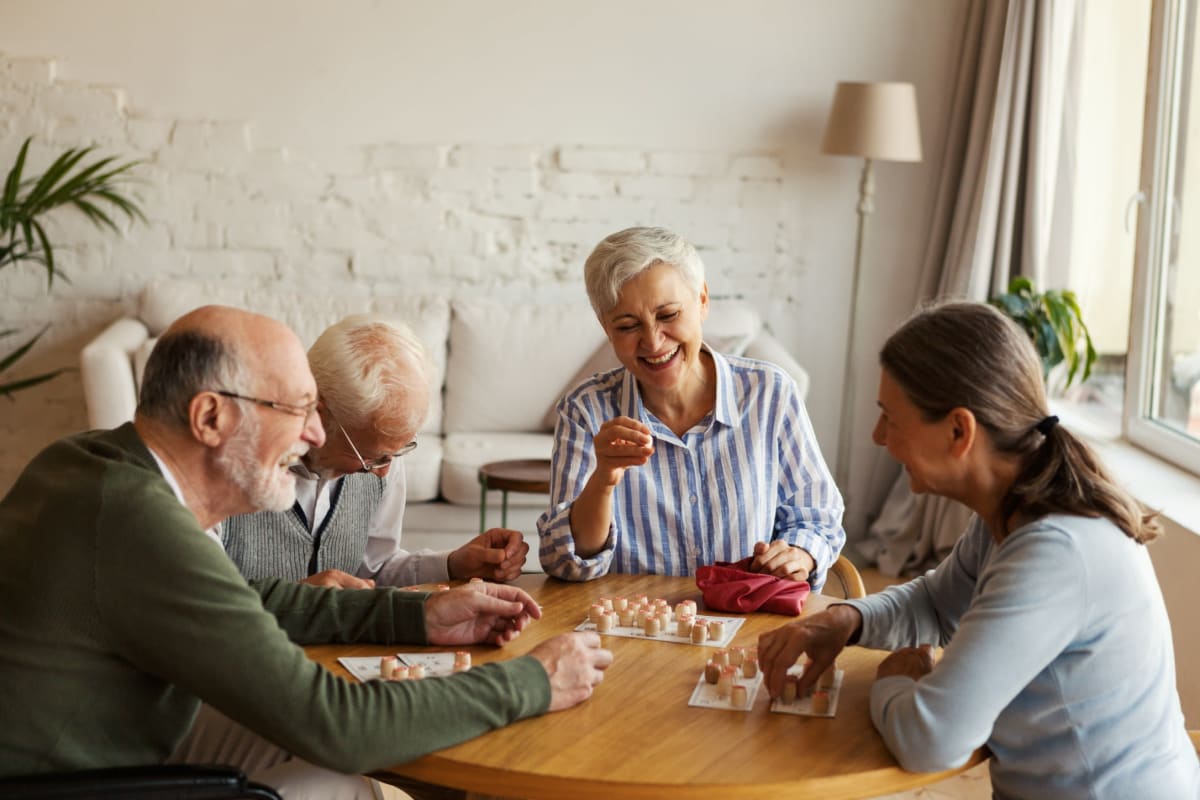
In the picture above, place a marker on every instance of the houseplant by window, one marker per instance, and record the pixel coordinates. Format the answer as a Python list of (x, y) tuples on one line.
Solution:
[(94, 189), (1054, 323)]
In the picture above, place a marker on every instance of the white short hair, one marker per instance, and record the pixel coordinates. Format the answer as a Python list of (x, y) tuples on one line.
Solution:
[(372, 372), (626, 254)]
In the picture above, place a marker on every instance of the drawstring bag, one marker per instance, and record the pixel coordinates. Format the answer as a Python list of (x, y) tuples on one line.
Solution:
[(731, 586)]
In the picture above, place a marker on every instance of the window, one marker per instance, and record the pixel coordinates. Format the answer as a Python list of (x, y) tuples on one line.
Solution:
[(1162, 386)]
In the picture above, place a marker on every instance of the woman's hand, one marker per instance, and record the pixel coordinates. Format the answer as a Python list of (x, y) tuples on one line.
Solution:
[(782, 560), (821, 636), (913, 662), (621, 443)]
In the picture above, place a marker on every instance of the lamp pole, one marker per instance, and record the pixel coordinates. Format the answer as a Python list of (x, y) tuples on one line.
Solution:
[(866, 205)]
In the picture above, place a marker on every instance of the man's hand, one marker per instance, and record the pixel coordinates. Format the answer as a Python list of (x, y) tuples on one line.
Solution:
[(621, 443), (822, 636), (575, 663), (336, 579), (782, 560), (495, 555), (914, 662), (478, 612)]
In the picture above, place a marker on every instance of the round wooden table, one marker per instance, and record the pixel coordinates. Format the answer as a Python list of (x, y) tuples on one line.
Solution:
[(530, 475), (637, 737)]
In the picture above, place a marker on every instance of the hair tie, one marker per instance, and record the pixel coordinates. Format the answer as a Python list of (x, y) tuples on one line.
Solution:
[(1046, 425)]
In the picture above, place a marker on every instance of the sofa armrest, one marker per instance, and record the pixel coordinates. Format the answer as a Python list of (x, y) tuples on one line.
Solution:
[(766, 347), (106, 365)]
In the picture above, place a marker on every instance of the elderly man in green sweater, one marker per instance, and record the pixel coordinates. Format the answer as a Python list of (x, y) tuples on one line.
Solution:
[(122, 613)]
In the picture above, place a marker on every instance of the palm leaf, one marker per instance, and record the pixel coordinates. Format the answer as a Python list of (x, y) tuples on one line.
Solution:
[(8, 389), (12, 185), (19, 353)]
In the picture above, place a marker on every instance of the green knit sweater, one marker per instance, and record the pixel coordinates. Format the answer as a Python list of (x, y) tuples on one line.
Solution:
[(118, 615)]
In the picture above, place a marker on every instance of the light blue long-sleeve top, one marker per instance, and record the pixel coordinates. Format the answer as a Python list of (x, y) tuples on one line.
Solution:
[(1057, 655), (749, 471)]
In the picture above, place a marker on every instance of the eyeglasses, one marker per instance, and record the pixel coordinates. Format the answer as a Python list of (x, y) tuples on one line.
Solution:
[(374, 463), (304, 411)]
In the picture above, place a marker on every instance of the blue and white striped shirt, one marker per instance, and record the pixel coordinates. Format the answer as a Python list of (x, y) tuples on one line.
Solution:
[(749, 471)]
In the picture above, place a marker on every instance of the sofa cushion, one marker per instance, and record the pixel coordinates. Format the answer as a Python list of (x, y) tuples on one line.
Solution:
[(509, 362), (308, 314), (423, 467), (465, 453)]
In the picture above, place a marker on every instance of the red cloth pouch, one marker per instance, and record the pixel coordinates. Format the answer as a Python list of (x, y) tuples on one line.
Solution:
[(730, 586)]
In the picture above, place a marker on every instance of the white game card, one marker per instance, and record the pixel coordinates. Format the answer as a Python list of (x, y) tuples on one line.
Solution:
[(803, 706), (366, 668), (633, 632), (705, 693)]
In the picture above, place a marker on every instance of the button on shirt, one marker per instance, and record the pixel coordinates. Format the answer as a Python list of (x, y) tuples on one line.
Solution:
[(749, 471)]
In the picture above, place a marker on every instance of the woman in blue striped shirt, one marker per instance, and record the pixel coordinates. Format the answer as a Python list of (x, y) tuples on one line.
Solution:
[(681, 456)]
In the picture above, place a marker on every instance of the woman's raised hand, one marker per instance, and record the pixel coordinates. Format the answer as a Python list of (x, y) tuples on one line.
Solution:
[(621, 443)]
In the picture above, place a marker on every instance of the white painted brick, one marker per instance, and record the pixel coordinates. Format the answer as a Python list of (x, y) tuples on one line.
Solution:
[(38, 71), (229, 264), (655, 186), (756, 166), (717, 191), (583, 234), (310, 268), (761, 197), (505, 206), (580, 183), (621, 212), (218, 147), (488, 157), (333, 160), (699, 164), (192, 234), (149, 135), (107, 131), (356, 190), (515, 183), (77, 101), (756, 233), (407, 157), (558, 207), (390, 265), (588, 159), (260, 232), (457, 179)]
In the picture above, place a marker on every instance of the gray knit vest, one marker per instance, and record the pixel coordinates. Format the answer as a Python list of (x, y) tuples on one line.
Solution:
[(279, 545)]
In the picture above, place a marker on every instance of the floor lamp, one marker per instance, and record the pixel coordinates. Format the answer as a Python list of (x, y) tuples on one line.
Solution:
[(875, 122)]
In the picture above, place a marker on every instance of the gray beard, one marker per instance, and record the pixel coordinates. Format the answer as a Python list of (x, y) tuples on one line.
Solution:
[(265, 489)]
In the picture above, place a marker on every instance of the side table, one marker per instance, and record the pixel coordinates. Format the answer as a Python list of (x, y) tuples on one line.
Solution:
[(530, 475)]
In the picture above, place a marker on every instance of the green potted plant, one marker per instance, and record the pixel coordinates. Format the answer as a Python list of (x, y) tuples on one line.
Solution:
[(1054, 323), (94, 189)]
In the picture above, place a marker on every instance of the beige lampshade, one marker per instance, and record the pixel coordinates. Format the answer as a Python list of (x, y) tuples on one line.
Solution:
[(874, 120)]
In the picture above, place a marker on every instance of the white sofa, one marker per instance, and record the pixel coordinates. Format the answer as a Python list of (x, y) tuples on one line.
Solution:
[(502, 367)]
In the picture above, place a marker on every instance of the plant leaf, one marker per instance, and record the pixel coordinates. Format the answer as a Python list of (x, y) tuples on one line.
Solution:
[(13, 182), (8, 389), (19, 353)]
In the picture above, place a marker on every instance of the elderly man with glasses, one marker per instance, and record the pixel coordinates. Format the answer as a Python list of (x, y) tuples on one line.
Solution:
[(373, 388)]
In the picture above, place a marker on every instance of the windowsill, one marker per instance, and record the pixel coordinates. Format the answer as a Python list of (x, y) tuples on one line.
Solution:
[(1161, 486)]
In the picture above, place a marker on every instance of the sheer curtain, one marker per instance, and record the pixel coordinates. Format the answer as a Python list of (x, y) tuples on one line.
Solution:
[(1001, 210)]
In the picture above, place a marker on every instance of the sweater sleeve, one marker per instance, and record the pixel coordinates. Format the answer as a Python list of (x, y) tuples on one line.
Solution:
[(183, 613), (1027, 608)]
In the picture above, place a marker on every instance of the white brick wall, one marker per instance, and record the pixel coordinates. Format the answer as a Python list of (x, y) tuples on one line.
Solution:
[(444, 217)]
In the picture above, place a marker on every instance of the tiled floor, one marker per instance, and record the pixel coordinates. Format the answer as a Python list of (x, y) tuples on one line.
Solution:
[(974, 784)]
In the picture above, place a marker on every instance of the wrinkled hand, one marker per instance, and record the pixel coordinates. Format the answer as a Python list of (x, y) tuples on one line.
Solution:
[(821, 636), (782, 560), (913, 662), (621, 443), (495, 555), (336, 579), (478, 612), (575, 663)]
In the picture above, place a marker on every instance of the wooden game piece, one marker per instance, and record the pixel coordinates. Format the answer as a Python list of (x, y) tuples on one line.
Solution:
[(825, 681), (725, 681), (820, 702), (416, 672), (640, 617), (721, 657), (699, 632), (712, 671), (750, 667), (594, 612), (739, 697), (620, 603), (627, 617), (788, 695), (387, 667), (462, 661), (683, 626), (737, 655), (400, 673), (716, 629), (606, 622), (652, 626)]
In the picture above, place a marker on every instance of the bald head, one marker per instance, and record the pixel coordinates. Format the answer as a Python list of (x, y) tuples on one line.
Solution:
[(216, 348)]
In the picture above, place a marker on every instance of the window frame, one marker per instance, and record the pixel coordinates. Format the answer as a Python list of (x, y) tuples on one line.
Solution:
[(1165, 82)]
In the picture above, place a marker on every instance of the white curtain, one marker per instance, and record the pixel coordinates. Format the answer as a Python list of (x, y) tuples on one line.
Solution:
[(1002, 209)]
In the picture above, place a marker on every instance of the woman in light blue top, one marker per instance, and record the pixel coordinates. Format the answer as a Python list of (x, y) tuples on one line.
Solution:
[(1058, 651), (682, 456)]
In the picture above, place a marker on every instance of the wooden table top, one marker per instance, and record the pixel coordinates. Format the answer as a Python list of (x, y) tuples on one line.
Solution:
[(523, 475), (638, 738)]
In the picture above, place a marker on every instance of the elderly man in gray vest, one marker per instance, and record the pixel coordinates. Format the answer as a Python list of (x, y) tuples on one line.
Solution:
[(373, 384)]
